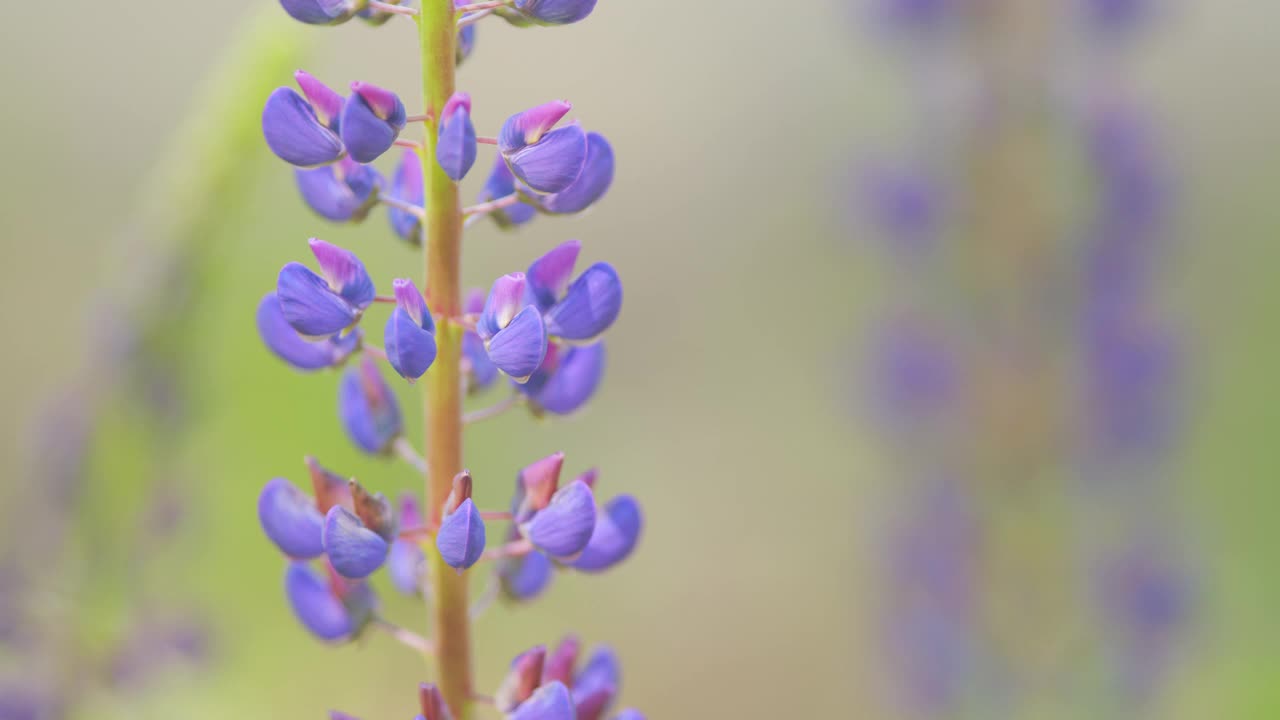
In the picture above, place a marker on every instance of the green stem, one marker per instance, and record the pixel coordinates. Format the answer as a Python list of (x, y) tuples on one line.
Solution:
[(442, 231)]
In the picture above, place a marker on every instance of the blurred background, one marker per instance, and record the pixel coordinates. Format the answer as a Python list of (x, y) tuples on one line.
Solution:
[(944, 375)]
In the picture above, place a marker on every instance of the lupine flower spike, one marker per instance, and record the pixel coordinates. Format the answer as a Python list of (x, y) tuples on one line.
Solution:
[(541, 329)]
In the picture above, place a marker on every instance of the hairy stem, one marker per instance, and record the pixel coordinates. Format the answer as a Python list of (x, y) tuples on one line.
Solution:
[(442, 240)]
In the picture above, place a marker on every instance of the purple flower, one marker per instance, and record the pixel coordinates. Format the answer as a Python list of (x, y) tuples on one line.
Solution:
[(320, 306), (291, 519), (524, 676), (466, 43), (367, 408), (524, 577), (616, 533), (515, 338), (566, 379), (592, 183), (561, 662), (456, 140), (595, 686), (500, 184), (303, 354), (461, 537), (333, 611), (407, 187), (303, 131), (410, 333), (406, 563), (549, 702), (535, 484), (563, 528), (544, 159), (321, 12), (355, 550), (555, 12), (343, 191), (580, 311), (371, 121)]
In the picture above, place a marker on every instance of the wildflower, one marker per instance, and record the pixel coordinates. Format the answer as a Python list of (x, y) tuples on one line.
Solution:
[(461, 538), (410, 332), (456, 140), (367, 408), (406, 563), (549, 702), (303, 354), (357, 542), (617, 530), (322, 12), (333, 611), (320, 306), (555, 12), (596, 685), (371, 121), (580, 311), (342, 192), (563, 527), (407, 187), (500, 184), (515, 338), (546, 160), (591, 185), (521, 680), (304, 131), (566, 379)]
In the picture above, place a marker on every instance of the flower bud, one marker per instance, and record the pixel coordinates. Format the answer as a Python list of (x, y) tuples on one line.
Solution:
[(461, 490), (461, 537), (375, 511), (560, 663), (500, 184), (432, 703), (596, 684), (544, 159), (320, 306), (342, 192), (515, 341), (592, 183), (549, 702), (563, 528), (548, 277), (409, 336), (521, 680), (524, 577), (354, 550), (367, 408), (333, 611), (555, 12), (303, 354), (407, 187), (466, 43), (371, 121), (616, 533), (456, 138), (329, 487), (295, 133), (290, 519), (566, 379), (589, 307), (322, 12), (406, 563)]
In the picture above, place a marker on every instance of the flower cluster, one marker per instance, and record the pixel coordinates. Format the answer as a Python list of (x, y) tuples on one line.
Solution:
[(974, 375), (540, 328)]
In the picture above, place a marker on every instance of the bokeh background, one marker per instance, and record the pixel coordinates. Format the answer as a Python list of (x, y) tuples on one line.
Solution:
[(142, 585)]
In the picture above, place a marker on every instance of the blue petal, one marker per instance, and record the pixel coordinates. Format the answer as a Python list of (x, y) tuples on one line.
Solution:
[(340, 199), (555, 12), (295, 134), (563, 528), (601, 673), (461, 537), (616, 533), (480, 370), (525, 577), (315, 605), (591, 185), (499, 184), (365, 134), (367, 408), (406, 564), (354, 550), (589, 307), (345, 273), (288, 345), (456, 145), (571, 383), (309, 305), (548, 277), (549, 702), (518, 349), (410, 349), (554, 162), (290, 518)]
